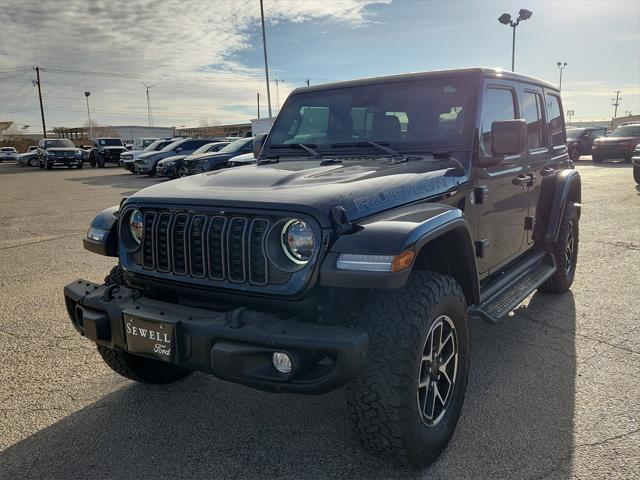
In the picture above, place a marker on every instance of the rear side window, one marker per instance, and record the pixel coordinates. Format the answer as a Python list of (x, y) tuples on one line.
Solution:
[(532, 113), (498, 105), (556, 121)]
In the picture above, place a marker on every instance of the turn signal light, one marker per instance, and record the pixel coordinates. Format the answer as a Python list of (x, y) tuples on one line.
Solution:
[(402, 261)]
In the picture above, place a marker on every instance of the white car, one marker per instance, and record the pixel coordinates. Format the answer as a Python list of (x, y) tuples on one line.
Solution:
[(139, 145), (8, 153)]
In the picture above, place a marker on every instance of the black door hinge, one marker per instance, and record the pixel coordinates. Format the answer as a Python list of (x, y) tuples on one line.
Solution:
[(479, 195), (481, 247), (529, 223)]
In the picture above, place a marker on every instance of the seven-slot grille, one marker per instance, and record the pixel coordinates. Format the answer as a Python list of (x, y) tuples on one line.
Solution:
[(221, 247)]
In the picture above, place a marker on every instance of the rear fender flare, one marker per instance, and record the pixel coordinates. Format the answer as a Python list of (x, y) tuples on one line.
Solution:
[(566, 187)]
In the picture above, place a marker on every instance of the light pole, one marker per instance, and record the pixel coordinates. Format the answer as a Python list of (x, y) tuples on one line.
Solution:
[(86, 94), (561, 66), (266, 66), (506, 19)]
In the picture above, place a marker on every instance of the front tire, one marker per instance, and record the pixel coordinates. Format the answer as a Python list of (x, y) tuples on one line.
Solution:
[(565, 252), (34, 162), (406, 403)]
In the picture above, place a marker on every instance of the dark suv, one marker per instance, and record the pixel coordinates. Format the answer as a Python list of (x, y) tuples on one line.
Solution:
[(105, 150), (381, 218), (58, 152), (147, 162), (620, 143), (580, 140)]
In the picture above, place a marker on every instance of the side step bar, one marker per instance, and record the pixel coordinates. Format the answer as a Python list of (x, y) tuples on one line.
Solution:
[(513, 285)]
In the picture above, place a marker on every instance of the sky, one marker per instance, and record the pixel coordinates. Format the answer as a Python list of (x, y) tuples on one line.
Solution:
[(204, 58)]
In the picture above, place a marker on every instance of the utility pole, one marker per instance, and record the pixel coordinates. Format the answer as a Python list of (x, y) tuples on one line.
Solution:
[(149, 117), (561, 66), (44, 127), (258, 98), (616, 103), (266, 65)]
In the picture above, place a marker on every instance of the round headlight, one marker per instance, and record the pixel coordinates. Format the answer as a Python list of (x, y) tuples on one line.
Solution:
[(136, 221), (297, 241)]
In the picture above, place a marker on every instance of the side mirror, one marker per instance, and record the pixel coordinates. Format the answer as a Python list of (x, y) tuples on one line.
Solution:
[(508, 137), (258, 142)]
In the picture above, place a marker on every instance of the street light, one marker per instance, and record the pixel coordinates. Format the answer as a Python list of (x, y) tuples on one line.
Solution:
[(506, 19), (561, 66), (86, 94)]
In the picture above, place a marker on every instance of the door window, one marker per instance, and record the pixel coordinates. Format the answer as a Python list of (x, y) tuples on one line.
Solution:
[(499, 104), (556, 120), (532, 113)]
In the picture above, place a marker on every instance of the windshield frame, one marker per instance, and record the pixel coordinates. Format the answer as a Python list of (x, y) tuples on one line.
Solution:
[(463, 142)]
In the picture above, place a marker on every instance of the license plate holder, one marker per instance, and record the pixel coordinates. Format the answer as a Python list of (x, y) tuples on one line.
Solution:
[(151, 338)]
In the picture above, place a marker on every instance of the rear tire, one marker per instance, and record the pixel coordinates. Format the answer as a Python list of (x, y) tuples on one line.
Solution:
[(565, 252), (636, 174), (140, 369), (391, 399)]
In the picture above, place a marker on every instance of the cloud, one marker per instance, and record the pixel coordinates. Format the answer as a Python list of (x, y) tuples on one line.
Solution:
[(188, 49)]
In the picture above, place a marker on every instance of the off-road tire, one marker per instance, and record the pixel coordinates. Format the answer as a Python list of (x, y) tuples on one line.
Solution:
[(384, 397), (81, 164), (40, 164), (100, 162), (92, 160), (140, 369), (565, 272), (636, 174), (49, 166)]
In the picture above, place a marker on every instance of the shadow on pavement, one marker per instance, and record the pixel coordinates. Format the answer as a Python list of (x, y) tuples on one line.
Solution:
[(517, 421), (122, 179)]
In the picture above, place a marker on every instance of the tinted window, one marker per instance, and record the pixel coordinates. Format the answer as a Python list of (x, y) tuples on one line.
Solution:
[(237, 146), (532, 113), (406, 114), (629, 131), (499, 104), (573, 133), (109, 142), (556, 122)]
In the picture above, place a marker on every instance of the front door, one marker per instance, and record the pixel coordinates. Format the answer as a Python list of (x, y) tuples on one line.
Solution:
[(502, 211)]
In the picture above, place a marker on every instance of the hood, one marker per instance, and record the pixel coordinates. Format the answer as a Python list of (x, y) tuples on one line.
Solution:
[(112, 147), (205, 157), (361, 188), (173, 158), (609, 140)]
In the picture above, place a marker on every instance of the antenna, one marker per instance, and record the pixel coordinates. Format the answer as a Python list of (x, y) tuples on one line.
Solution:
[(149, 115)]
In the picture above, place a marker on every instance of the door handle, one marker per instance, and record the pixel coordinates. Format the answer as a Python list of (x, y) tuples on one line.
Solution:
[(521, 179)]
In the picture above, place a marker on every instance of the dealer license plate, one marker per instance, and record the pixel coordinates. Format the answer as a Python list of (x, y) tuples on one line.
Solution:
[(156, 339)]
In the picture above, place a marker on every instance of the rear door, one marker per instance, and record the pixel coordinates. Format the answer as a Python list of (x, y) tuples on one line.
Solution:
[(539, 154)]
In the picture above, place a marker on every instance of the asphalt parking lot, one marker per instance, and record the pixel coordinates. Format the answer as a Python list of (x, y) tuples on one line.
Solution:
[(554, 391)]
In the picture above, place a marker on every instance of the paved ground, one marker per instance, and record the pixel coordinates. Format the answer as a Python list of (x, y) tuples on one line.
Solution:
[(554, 391)]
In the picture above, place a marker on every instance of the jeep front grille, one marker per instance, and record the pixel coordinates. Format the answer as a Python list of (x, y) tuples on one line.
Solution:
[(223, 247)]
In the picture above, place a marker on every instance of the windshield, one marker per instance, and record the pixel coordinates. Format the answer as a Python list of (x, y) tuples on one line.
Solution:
[(575, 133), (628, 131), (7, 149), (109, 142), (235, 146), (203, 149), (156, 145), (147, 141), (432, 113), (173, 145), (61, 142)]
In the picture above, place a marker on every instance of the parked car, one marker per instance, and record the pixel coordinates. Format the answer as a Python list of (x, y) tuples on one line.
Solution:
[(105, 149), (242, 160), (580, 140), (30, 157), (170, 166), (382, 216), (139, 145), (58, 152), (8, 153), (146, 162), (620, 143), (635, 159), (215, 161), (127, 159)]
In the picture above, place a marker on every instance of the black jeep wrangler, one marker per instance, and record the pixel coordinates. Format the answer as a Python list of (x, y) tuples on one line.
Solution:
[(382, 216), (105, 150)]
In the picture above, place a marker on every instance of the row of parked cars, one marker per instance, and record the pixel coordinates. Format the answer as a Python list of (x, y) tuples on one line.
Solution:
[(181, 157), (602, 144)]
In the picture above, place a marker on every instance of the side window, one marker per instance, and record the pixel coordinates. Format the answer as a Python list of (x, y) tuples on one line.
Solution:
[(556, 121), (532, 113), (598, 133), (499, 104)]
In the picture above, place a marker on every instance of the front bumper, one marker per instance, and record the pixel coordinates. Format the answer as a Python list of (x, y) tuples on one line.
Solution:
[(236, 345), (163, 170), (141, 167)]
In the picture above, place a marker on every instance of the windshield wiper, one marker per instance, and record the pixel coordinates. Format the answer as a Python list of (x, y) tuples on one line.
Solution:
[(381, 146), (306, 148)]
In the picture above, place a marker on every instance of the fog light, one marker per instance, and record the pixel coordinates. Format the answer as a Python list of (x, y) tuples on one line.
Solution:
[(281, 362)]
